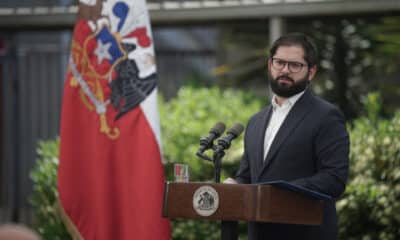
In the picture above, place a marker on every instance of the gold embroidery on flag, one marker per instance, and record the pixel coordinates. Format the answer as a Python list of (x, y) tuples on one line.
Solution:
[(111, 133), (90, 82), (85, 101)]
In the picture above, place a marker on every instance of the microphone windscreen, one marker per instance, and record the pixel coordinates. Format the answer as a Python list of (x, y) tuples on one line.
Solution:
[(237, 129), (218, 128)]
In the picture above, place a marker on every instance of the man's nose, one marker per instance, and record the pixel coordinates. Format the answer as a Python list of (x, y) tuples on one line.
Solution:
[(285, 68)]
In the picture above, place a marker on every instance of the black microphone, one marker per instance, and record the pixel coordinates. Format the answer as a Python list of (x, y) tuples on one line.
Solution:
[(215, 132), (225, 142)]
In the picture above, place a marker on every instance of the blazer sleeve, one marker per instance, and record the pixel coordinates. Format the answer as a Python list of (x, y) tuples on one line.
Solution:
[(243, 175), (331, 148)]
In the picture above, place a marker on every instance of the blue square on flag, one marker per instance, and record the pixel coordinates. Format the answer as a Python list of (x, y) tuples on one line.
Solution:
[(103, 51)]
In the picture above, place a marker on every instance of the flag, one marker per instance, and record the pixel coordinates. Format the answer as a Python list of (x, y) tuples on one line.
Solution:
[(110, 177)]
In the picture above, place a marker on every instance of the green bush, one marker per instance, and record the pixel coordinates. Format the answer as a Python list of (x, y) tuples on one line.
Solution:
[(370, 208), (184, 120), (44, 176)]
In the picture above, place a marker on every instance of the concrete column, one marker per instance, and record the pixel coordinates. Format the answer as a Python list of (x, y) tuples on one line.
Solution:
[(276, 28)]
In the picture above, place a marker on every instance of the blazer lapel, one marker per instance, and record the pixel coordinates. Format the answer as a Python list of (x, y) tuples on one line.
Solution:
[(260, 138), (295, 116)]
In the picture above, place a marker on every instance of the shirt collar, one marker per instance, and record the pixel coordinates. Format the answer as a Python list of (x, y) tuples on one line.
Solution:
[(289, 101)]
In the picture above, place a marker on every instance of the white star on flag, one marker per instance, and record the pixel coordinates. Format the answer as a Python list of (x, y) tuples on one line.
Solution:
[(102, 51)]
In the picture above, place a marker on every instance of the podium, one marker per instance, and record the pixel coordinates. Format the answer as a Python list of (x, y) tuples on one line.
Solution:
[(240, 202)]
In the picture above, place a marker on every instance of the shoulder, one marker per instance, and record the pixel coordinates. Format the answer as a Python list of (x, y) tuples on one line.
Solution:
[(323, 107), (259, 115), (257, 121), (326, 115)]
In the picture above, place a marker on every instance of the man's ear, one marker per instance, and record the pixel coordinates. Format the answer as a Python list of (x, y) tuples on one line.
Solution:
[(269, 64), (312, 71)]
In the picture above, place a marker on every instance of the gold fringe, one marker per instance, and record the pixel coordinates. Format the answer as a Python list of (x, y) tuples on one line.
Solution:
[(71, 228)]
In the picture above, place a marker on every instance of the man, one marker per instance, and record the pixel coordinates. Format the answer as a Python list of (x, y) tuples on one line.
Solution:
[(299, 138)]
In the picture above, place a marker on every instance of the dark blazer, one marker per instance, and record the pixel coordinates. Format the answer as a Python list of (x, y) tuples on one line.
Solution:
[(311, 149)]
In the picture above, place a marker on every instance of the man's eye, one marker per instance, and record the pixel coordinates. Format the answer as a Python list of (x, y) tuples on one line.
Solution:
[(280, 62), (295, 65)]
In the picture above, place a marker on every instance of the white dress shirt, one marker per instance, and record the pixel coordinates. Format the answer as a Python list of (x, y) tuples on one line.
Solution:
[(279, 114)]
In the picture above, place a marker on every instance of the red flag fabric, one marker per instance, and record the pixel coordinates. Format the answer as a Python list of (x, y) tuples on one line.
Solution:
[(110, 177)]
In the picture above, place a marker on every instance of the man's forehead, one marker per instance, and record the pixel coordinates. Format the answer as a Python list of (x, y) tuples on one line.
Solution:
[(292, 53)]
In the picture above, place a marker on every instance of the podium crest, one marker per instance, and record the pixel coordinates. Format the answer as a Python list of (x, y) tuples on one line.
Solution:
[(205, 201)]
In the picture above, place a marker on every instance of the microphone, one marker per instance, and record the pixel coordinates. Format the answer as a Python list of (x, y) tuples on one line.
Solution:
[(225, 142), (215, 132)]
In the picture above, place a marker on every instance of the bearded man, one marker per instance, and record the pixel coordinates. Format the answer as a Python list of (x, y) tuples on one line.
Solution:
[(299, 138)]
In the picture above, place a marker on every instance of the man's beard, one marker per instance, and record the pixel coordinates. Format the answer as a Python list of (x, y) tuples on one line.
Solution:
[(288, 90)]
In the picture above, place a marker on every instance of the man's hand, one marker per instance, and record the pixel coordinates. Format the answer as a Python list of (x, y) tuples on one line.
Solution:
[(230, 181)]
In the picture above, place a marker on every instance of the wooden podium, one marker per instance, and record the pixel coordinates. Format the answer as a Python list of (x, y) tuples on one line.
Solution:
[(240, 202)]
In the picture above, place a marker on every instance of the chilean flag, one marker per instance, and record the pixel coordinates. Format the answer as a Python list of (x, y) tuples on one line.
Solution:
[(110, 177)]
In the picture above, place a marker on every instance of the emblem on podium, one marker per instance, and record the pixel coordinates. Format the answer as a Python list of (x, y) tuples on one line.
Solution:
[(205, 201)]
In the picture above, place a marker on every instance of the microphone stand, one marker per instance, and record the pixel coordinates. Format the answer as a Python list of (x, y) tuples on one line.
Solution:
[(228, 228), (217, 157)]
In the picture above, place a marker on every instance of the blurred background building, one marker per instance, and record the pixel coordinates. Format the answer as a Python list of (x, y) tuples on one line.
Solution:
[(205, 42)]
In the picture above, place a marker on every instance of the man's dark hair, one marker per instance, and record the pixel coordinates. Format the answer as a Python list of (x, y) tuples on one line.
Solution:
[(298, 39)]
